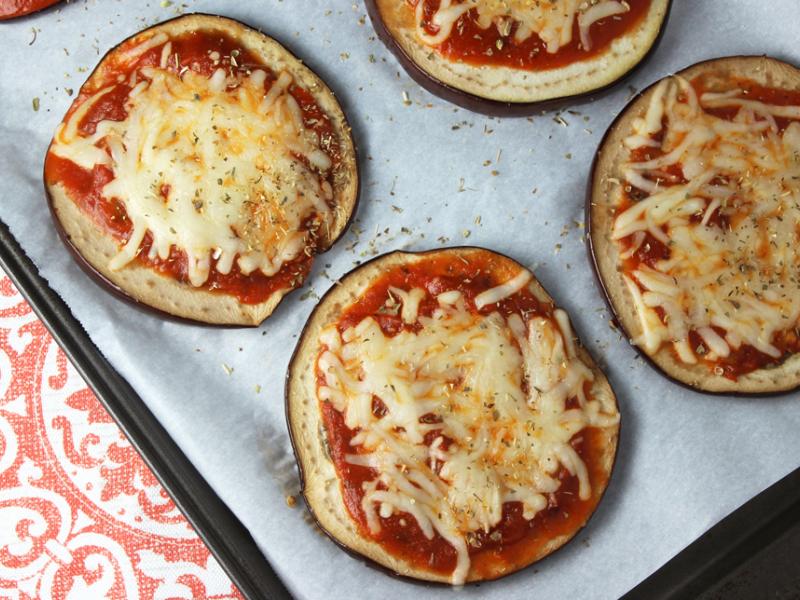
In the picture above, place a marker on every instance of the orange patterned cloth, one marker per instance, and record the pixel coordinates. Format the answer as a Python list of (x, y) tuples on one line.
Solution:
[(81, 516)]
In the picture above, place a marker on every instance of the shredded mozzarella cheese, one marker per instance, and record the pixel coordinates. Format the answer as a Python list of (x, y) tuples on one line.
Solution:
[(502, 291), (552, 21), (467, 370), (212, 166), (741, 278)]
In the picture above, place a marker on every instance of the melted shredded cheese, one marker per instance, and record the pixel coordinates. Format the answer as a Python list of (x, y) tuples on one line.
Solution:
[(213, 166), (467, 371), (552, 21), (742, 278), (503, 291)]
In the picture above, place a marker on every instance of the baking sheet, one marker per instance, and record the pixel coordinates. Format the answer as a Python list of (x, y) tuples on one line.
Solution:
[(429, 171)]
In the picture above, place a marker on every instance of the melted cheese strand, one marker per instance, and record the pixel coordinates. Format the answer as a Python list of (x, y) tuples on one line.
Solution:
[(467, 370), (500, 292), (552, 21), (209, 166), (601, 10), (741, 278)]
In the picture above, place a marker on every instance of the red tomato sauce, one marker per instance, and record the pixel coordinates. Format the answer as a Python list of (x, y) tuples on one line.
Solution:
[(650, 252), (752, 91), (193, 51), (249, 289), (746, 358), (84, 187), (16, 8), (470, 276), (471, 44), (515, 540)]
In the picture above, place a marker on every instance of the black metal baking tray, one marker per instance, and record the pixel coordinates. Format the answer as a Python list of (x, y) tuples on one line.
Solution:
[(722, 561), (743, 556)]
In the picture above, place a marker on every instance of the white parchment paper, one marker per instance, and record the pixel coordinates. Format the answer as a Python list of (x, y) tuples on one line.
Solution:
[(685, 460)]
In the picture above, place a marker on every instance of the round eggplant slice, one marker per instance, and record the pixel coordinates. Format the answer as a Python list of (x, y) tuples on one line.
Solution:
[(447, 424), (10, 9), (200, 169), (693, 225), (515, 58)]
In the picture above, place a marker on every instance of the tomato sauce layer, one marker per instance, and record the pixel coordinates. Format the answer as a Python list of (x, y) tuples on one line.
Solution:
[(195, 51), (470, 276), (514, 541), (474, 45), (16, 8), (751, 91), (746, 358)]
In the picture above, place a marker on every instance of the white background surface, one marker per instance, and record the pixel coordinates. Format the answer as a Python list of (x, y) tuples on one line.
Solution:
[(685, 460)]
